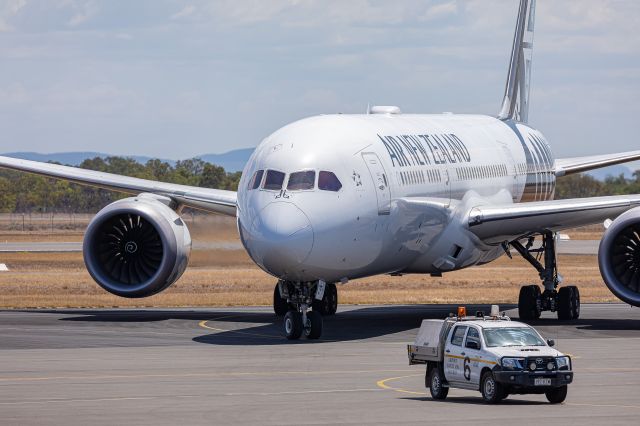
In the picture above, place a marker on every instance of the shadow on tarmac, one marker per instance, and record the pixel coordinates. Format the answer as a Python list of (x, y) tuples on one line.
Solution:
[(244, 328), (475, 401)]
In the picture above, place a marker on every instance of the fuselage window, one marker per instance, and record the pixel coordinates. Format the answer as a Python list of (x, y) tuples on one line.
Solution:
[(301, 181), (254, 183), (273, 181), (327, 181)]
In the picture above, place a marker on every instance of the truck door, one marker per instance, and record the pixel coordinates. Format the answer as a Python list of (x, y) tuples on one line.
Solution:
[(380, 181), (472, 363), (453, 358)]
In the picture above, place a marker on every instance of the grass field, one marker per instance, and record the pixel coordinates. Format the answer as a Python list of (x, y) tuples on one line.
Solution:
[(229, 278)]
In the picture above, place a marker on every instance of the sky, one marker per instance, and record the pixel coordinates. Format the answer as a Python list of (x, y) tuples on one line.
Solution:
[(175, 79)]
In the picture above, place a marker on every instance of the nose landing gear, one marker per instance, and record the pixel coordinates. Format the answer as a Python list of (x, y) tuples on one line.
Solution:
[(531, 303), (293, 300)]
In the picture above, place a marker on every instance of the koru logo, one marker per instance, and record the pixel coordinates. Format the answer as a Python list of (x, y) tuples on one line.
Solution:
[(131, 247)]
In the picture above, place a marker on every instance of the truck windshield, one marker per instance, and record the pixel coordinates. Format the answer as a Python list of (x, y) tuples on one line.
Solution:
[(520, 336)]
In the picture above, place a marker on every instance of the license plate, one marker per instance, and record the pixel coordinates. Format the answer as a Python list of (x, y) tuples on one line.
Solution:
[(541, 381)]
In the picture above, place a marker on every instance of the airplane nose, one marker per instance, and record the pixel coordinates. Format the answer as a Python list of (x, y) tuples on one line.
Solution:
[(284, 237)]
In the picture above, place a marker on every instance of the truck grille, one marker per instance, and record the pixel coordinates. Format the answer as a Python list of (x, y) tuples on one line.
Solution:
[(542, 363)]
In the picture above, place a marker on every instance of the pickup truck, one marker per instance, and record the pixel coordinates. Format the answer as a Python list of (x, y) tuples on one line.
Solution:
[(491, 354)]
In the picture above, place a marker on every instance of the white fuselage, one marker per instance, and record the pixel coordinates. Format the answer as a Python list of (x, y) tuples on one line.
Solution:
[(365, 228)]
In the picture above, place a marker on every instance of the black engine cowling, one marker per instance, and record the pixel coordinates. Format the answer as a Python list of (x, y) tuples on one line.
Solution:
[(619, 257), (136, 247)]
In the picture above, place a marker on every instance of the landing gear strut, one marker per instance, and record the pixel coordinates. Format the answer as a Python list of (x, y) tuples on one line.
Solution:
[(532, 301), (296, 298)]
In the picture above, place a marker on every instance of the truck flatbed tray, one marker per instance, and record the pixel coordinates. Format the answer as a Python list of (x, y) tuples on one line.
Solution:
[(422, 354)]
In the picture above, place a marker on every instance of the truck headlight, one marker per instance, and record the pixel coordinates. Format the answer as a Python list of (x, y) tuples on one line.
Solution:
[(513, 363), (564, 363)]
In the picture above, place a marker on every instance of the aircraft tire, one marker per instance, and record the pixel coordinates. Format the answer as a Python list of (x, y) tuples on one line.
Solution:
[(528, 303), (575, 311), (568, 303), (293, 326), (280, 305), (329, 303), (314, 328)]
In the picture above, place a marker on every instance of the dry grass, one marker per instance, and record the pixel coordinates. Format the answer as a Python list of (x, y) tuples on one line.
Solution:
[(229, 277)]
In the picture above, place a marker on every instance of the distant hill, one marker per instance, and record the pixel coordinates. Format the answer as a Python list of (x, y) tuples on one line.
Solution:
[(232, 161)]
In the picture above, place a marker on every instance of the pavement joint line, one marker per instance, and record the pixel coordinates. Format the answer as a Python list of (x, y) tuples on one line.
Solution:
[(229, 374), (147, 398), (303, 392)]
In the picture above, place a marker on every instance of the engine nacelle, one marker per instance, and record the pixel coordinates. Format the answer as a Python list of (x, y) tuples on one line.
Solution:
[(619, 257), (136, 247)]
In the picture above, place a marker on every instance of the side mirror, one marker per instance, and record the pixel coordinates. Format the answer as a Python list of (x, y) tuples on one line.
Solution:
[(472, 344), (551, 342)]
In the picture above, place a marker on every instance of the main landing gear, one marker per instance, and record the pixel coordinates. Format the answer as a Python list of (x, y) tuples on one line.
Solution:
[(293, 300), (532, 301)]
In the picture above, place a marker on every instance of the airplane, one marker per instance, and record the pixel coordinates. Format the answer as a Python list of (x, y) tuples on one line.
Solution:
[(334, 198)]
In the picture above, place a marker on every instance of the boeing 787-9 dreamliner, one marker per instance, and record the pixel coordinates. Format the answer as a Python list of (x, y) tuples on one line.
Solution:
[(333, 198)]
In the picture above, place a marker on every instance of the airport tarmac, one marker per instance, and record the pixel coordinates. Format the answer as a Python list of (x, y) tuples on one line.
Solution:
[(232, 366)]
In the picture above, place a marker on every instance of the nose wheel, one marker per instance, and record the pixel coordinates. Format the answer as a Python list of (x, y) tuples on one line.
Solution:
[(298, 319)]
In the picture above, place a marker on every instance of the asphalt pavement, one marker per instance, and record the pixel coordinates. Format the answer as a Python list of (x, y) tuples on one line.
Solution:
[(232, 366)]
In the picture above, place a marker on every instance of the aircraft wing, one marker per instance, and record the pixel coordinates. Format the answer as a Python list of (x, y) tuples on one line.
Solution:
[(567, 166), (499, 223), (211, 200)]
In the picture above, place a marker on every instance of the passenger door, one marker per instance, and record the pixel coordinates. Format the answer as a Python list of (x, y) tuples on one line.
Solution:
[(380, 182), (453, 358), (472, 363)]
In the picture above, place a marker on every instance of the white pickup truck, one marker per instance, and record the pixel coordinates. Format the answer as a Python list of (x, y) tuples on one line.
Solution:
[(491, 354)]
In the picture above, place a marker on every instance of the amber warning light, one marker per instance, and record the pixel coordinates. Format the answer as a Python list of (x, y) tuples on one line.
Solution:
[(462, 311)]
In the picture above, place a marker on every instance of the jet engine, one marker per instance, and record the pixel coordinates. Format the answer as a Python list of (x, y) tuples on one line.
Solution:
[(137, 247), (619, 257)]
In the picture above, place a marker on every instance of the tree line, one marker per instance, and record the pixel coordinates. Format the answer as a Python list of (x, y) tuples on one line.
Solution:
[(27, 193)]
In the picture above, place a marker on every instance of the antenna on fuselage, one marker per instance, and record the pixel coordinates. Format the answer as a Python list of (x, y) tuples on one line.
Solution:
[(515, 104)]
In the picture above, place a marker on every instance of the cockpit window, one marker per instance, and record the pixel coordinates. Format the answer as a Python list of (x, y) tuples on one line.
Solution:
[(300, 181), (327, 181), (274, 180), (254, 183)]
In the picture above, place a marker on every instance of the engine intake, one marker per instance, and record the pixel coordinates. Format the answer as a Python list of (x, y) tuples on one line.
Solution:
[(619, 257), (136, 247)]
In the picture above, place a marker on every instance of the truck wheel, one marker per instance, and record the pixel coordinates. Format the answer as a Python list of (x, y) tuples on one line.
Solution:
[(557, 395), (293, 325), (528, 302), (436, 385), (492, 391)]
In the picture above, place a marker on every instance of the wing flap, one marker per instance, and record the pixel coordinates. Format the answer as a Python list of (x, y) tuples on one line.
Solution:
[(494, 224), (567, 166), (212, 200)]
